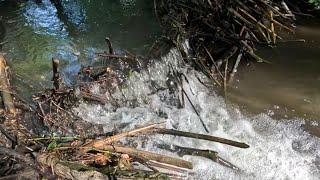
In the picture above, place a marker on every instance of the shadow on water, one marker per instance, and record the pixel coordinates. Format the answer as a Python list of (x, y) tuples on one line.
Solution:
[(36, 32)]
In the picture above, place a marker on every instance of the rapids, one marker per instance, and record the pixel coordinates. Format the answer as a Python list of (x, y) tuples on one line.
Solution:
[(279, 149)]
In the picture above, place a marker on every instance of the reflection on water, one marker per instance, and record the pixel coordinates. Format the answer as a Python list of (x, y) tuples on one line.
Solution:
[(43, 19), (38, 32)]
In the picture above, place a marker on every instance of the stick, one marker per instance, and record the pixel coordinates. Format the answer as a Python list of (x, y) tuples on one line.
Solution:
[(202, 136), (56, 75), (111, 52), (234, 70), (272, 28), (125, 57), (196, 111), (212, 155), (5, 92), (100, 144)]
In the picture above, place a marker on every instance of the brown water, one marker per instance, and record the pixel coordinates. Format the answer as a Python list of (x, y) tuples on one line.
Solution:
[(289, 87)]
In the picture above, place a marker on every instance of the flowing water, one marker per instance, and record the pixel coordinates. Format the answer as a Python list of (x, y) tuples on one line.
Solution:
[(273, 107)]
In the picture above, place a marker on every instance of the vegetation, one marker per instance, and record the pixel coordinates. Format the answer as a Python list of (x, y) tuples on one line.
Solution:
[(315, 2)]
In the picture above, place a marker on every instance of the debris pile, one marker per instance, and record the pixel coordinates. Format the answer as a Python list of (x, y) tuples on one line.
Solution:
[(223, 33), (62, 145)]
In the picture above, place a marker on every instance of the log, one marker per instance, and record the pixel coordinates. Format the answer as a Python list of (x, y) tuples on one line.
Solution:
[(146, 155), (62, 169), (5, 91)]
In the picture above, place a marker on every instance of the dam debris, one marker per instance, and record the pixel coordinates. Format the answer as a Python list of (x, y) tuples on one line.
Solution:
[(221, 34), (69, 147)]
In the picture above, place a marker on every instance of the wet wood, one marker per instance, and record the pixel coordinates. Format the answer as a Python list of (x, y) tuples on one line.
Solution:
[(110, 47), (96, 98), (5, 87), (202, 136), (212, 155), (56, 74), (148, 156), (62, 169), (100, 144)]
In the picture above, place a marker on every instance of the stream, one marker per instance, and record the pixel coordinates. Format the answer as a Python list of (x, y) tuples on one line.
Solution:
[(273, 107)]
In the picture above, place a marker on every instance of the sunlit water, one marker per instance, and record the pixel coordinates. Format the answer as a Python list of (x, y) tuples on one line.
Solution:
[(37, 32), (280, 148)]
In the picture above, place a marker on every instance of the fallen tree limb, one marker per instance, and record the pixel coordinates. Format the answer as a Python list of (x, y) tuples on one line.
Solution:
[(5, 91)]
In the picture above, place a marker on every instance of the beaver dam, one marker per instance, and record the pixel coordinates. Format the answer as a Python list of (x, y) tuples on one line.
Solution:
[(164, 89)]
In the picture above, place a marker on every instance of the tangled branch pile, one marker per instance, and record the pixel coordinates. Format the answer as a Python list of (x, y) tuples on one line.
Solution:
[(63, 145), (221, 33)]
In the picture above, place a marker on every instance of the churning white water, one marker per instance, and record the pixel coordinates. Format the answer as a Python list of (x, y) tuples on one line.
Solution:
[(279, 149)]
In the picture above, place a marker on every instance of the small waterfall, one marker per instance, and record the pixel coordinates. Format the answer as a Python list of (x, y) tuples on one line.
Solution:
[(279, 149)]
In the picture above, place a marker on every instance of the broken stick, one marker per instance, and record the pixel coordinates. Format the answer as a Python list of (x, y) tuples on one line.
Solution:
[(100, 144)]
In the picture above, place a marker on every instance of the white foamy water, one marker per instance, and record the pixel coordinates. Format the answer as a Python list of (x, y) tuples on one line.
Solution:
[(279, 149)]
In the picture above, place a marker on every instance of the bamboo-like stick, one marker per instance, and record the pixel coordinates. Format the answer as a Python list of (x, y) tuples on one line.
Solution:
[(253, 19), (272, 28), (5, 91), (235, 67)]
